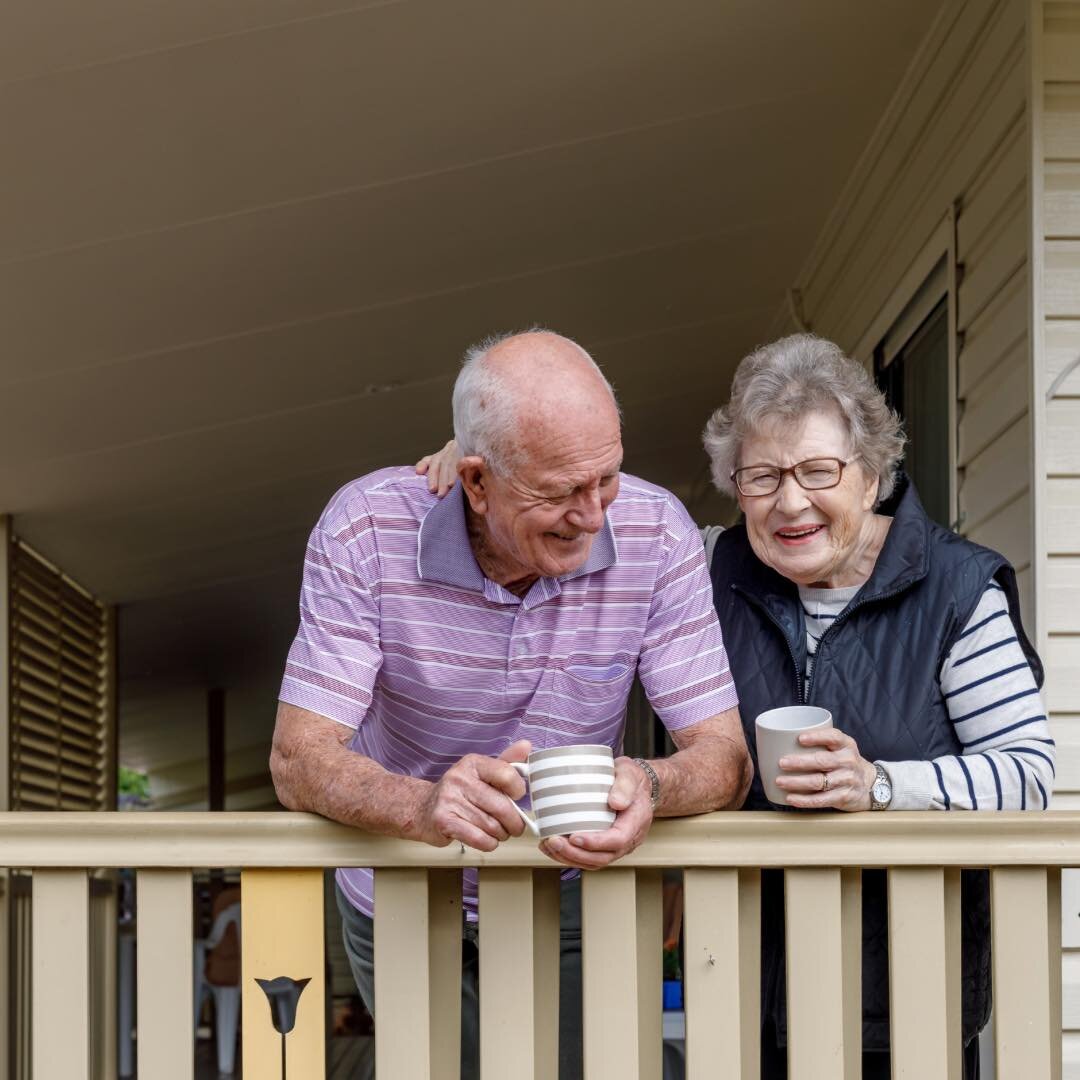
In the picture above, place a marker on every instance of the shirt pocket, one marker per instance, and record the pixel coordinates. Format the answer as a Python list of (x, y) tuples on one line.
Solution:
[(591, 693)]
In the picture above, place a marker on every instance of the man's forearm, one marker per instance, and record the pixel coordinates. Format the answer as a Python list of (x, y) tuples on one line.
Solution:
[(323, 776), (711, 771)]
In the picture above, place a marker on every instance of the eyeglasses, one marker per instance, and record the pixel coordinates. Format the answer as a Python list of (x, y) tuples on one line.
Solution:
[(816, 474)]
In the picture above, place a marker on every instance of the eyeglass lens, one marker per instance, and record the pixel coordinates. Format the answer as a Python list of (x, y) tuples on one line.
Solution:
[(812, 475)]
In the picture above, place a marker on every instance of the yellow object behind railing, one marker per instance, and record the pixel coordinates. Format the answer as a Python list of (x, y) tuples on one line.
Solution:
[(418, 940)]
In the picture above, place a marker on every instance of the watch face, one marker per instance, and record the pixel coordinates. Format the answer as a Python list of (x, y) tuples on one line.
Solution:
[(881, 792)]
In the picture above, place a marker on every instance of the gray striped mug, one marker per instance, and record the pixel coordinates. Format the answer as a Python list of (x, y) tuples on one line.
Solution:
[(569, 788)]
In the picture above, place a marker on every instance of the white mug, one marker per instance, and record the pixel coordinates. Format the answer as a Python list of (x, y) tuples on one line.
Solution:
[(569, 788), (778, 732)]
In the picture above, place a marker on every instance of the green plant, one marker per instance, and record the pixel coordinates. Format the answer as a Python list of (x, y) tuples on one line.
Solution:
[(132, 782)]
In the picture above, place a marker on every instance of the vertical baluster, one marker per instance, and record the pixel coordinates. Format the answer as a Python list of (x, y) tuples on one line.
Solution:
[(650, 953), (506, 973), (717, 955), (546, 965), (710, 966), (8, 932), (444, 973), (954, 970), (402, 991), (104, 972), (919, 979), (851, 929), (750, 972), (282, 937), (815, 975), (1021, 971), (61, 985), (609, 973), (1053, 925), (24, 961), (165, 1044), (417, 973)]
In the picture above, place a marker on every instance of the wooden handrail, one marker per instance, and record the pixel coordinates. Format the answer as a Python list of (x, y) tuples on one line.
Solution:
[(164, 840), (417, 993)]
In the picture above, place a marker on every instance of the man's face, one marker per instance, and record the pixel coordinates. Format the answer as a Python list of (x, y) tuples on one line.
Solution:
[(542, 518)]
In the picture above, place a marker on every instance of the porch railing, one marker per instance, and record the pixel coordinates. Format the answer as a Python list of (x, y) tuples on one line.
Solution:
[(418, 941)]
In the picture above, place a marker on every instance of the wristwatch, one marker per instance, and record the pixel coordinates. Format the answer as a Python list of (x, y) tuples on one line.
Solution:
[(654, 780), (881, 790)]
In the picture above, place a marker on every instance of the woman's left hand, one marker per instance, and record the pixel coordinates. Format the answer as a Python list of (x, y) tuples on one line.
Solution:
[(835, 775), (440, 468)]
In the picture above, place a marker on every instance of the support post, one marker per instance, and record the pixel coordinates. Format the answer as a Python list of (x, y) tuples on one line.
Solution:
[(7, 1021), (215, 747)]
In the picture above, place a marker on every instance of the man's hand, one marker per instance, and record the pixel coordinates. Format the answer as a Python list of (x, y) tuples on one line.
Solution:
[(630, 799), (314, 770), (471, 802)]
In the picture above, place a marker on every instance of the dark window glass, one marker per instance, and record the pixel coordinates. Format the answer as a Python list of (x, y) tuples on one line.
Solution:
[(916, 385)]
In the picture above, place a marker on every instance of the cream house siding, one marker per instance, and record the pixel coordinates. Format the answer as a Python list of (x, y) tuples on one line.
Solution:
[(993, 370), (1060, 328), (954, 139), (1056, 170)]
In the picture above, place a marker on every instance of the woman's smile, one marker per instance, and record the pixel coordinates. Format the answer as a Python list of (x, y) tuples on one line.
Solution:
[(796, 535)]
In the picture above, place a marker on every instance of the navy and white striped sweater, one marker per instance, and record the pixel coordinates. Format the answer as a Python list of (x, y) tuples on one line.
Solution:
[(1007, 761)]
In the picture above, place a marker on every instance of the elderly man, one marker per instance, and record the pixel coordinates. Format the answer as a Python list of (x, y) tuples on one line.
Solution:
[(439, 641)]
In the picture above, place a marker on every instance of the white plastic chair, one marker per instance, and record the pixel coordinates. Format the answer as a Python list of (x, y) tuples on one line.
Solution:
[(226, 998)]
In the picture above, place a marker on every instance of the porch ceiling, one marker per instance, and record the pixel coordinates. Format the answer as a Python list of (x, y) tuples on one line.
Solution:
[(243, 245)]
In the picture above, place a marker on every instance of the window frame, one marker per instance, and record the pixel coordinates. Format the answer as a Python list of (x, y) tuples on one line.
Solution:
[(923, 283)]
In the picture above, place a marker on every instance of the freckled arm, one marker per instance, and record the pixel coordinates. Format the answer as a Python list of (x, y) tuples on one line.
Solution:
[(710, 770)]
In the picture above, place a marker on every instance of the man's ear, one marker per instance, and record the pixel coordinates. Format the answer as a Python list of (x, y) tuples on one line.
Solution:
[(474, 476)]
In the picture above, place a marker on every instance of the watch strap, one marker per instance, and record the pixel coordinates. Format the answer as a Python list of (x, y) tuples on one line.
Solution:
[(654, 780)]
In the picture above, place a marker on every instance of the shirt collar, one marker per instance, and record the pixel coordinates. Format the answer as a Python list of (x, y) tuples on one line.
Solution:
[(444, 553)]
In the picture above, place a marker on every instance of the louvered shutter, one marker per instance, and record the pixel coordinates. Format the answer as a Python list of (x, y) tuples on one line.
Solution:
[(61, 690)]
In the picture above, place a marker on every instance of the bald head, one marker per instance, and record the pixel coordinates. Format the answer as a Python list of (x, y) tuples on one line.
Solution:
[(516, 391), (538, 427)]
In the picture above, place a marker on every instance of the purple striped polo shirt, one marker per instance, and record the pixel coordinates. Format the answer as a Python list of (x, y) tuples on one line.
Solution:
[(403, 639)]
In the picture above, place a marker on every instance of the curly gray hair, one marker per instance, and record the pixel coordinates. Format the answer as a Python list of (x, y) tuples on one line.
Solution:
[(791, 378)]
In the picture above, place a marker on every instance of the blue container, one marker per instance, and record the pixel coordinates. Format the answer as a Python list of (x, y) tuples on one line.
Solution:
[(673, 994)]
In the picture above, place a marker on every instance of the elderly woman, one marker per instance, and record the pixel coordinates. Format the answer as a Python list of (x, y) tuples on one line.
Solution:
[(836, 589)]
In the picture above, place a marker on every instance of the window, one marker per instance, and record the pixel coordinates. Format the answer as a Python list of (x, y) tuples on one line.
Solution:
[(916, 383)]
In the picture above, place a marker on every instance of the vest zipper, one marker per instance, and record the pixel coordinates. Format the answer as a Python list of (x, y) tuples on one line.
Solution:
[(791, 651)]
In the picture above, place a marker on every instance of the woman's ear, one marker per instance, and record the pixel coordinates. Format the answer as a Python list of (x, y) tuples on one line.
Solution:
[(870, 499), (474, 476)]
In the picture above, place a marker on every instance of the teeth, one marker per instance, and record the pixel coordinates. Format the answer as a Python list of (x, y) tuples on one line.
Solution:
[(794, 533)]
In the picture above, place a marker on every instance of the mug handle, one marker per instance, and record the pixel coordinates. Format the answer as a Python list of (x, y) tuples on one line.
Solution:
[(522, 768)]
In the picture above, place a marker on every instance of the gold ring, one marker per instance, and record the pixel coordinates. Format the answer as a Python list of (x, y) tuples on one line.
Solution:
[(824, 781)]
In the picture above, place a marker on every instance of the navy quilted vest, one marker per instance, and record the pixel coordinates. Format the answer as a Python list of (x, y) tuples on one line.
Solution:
[(876, 670)]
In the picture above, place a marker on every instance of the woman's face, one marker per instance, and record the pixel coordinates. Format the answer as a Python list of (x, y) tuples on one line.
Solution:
[(810, 537)]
